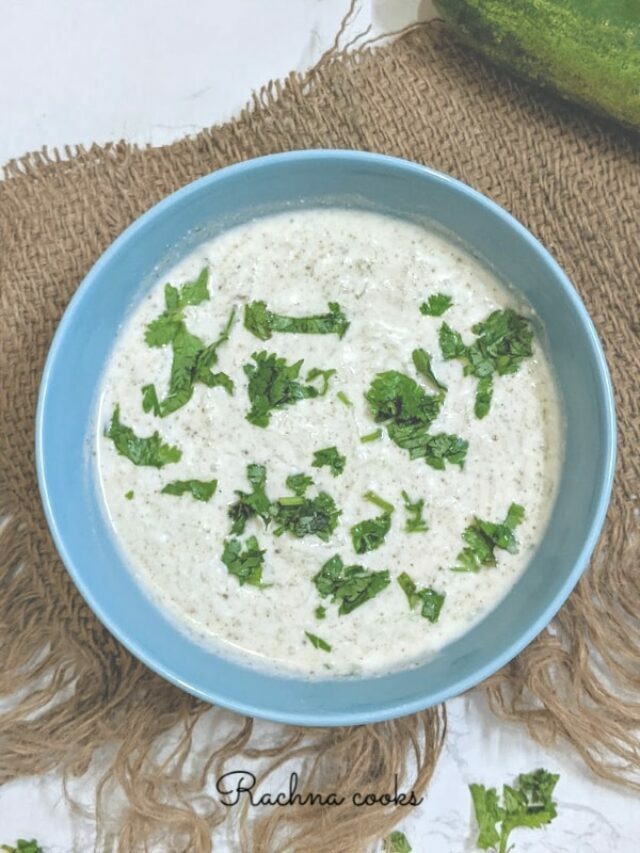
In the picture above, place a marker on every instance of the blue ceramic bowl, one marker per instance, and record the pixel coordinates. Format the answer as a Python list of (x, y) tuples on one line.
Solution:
[(66, 429)]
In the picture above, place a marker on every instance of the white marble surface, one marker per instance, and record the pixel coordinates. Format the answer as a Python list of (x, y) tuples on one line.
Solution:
[(79, 71)]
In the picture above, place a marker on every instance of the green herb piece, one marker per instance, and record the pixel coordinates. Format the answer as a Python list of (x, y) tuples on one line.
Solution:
[(151, 451), (325, 375), (528, 804), (422, 363), (22, 846), (245, 565), (396, 842), (129, 495), (330, 457), (415, 523), (302, 516), (320, 612), (250, 504), (262, 323), (503, 341), (192, 358), (343, 398), (369, 534), (317, 642), (483, 537), (372, 436), (398, 401), (376, 500), (427, 598), (201, 490), (273, 384), (352, 586), (436, 305), (298, 483)]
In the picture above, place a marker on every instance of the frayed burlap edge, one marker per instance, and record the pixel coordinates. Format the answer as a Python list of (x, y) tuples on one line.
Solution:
[(75, 693)]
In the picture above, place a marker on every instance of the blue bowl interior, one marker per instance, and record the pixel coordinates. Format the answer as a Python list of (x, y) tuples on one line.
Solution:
[(66, 429)]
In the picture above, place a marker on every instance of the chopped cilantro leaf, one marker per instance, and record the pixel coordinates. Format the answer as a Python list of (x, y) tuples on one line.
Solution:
[(376, 500), (262, 323), (343, 398), (427, 598), (150, 451), (396, 842), (483, 537), (528, 804), (201, 490), (372, 436), (352, 586), (245, 565), (326, 375), (273, 384), (422, 363), (298, 483), (129, 495), (22, 846), (250, 504), (320, 612), (330, 457), (369, 534), (415, 523), (317, 642), (306, 516), (503, 341), (436, 305)]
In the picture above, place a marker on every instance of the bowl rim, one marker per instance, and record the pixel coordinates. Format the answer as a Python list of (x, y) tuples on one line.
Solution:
[(498, 660)]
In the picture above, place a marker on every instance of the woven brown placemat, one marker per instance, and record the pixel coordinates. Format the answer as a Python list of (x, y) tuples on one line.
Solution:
[(73, 691)]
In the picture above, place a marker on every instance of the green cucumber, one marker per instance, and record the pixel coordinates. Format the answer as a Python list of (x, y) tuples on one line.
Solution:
[(586, 50)]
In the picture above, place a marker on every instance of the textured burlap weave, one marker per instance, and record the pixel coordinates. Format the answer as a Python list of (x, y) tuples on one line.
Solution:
[(72, 693)]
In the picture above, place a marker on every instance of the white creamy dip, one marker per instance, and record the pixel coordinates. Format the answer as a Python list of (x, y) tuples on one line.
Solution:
[(379, 270)]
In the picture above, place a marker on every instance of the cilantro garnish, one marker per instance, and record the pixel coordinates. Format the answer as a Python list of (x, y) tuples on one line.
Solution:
[(407, 411), (22, 846), (343, 398), (273, 384), (483, 537), (245, 565), (320, 612), (250, 504), (422, 363), (330, 457), (376, 500), (396, 842), (503, 342), (430, 601), (317, 642), (201, 490), (306, 516), (527, 804), (150, 451), (350, 585), (436, 305), (298, 483), (415, 523), (371, 436), (262, 323), (369, 534), (192, 358), (325, 375), (129, 495)]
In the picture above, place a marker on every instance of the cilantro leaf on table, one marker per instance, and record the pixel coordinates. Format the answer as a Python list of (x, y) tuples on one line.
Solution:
[(422, 363), (317, 642), (250, 504), (352, 586), (201, 490), (408, 412), (151, 450), (415, 522), (22, 846), (483, 537), (262, 323), (426, 598), (436, 305), (273, 384), (303, 516), (192, 358), (331, 458), (396, 842), (369, 534), (503, 341), (246, 565), (527, 804)]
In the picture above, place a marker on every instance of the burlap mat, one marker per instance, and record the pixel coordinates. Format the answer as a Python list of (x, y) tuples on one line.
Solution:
[(575, 182)]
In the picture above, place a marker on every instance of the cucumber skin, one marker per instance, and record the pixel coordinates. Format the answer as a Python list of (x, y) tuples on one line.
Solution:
[(586, 50)]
